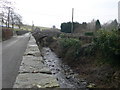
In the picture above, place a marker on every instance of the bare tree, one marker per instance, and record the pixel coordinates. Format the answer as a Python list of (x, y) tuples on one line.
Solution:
[(111, 25), (18, 20), (6, 8), (91, 25), (9, 16)]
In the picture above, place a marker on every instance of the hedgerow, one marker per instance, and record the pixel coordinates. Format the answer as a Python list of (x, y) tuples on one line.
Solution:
[(108, 43), (70, 47)]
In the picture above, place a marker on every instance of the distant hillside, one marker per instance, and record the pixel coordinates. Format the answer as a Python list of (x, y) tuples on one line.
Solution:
[(29, 27)]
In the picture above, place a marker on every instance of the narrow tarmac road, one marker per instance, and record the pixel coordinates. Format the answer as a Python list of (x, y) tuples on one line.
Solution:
[(12, 52)]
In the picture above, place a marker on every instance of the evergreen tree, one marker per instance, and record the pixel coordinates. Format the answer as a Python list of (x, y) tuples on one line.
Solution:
[(66, 27), (97, 25)]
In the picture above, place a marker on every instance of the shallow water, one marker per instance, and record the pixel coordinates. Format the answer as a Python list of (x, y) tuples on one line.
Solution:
[(62, 72)]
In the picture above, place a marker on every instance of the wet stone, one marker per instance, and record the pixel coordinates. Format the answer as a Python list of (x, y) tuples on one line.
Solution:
[(52, 65), (68, 77)]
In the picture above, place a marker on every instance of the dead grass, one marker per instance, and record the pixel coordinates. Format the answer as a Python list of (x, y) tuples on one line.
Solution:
[(89, 68)]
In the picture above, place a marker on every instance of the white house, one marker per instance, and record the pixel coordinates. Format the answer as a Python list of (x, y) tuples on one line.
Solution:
[(119, 12)]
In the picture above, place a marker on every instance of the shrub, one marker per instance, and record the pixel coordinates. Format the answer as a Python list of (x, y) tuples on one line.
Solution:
[(109, 44), (70, 45), (62, 35), (88, 34), (68, 42)]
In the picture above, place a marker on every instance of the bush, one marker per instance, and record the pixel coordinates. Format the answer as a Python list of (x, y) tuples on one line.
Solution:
[(62, 35), (70, 45), (88, 33), (109, 44), (68, 42)]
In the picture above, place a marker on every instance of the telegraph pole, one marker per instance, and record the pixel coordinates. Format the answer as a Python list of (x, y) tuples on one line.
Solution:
[(72, 20), (32, 26), (8, 17)]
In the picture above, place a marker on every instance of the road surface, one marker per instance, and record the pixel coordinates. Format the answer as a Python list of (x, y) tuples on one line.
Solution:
[(12, 52), (0, 65)]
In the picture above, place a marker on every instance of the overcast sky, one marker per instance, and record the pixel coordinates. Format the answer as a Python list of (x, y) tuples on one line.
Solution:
[(53, 12)]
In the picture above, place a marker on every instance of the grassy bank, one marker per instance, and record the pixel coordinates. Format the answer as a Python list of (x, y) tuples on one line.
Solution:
[(96, 62)]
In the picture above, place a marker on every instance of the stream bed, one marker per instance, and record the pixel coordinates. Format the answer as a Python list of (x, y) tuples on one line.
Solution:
[(64, 75)]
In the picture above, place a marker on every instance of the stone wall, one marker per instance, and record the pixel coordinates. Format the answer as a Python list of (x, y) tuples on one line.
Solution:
[(21, 32), (7, 33)]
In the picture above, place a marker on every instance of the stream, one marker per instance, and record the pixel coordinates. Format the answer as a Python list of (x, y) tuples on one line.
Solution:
[(64, 75)]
